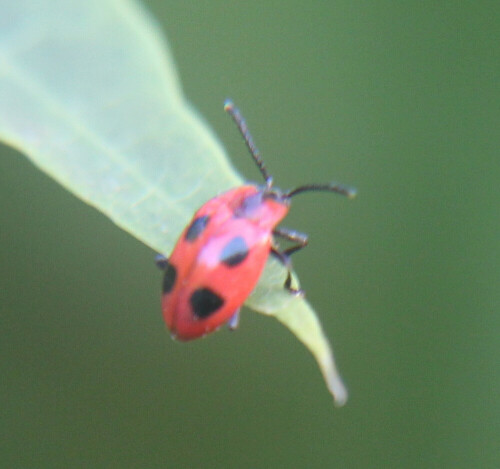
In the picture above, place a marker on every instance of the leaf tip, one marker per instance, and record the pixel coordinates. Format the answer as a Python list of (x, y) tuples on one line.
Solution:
[(338, 390), (334, 382)]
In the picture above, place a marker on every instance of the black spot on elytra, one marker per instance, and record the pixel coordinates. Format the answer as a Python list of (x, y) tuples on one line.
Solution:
[(169, 277), (196, 228), (205, 302), (234, 252)]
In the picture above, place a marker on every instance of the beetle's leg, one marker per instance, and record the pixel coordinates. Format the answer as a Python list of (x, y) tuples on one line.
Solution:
[(294, 236), (161, 261), (234, 320), (284, 258)]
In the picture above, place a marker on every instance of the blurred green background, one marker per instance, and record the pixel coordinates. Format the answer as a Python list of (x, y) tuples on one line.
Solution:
[(400, 99)]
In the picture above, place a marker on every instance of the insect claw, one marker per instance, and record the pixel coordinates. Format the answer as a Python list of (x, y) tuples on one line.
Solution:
[(234, 320), (297, 292), (161, 261)]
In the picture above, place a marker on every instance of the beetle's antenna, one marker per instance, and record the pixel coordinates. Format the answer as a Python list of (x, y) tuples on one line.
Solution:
[(238, 119), (332, 187)]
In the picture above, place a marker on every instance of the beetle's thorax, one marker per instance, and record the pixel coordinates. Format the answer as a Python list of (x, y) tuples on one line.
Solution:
[(263, 206)]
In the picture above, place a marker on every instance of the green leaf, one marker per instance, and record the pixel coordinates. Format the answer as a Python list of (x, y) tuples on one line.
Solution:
[(89, 92)]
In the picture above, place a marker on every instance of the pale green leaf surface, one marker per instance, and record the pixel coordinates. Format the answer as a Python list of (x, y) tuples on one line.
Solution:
[(89, 92)]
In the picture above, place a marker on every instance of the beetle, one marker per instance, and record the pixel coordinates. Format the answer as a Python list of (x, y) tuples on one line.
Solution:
[(220, 255)]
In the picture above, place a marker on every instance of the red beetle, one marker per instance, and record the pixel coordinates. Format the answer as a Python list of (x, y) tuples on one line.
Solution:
[(219, 257)]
